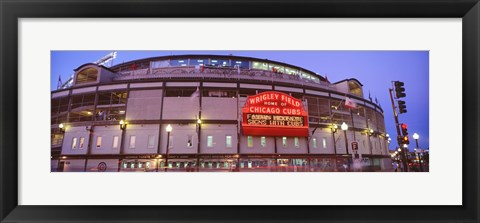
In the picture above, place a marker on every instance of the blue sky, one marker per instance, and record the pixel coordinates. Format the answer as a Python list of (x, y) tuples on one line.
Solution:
[(374, 69)]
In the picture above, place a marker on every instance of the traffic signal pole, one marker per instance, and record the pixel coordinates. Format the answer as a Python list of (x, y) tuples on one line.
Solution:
[(397, 126)]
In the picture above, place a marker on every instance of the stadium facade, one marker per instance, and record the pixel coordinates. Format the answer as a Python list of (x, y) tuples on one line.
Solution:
[(225, 113)]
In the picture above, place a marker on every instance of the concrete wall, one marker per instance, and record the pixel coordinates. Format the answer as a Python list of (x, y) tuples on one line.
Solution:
[(290, 147), (257, 147), (70, 134), (144, 105), (179, 139), (321, 134), (180, 108), (218, 133), (211, 108), (73, 165), (111, 165), (141, 133), (107, 133)]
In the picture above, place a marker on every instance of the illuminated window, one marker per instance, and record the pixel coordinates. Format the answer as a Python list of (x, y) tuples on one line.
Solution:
[(189, 141), (82, 141), (194, 62), (263, 141), (296, 142), (314, 142), (74, 143), (132, 142), (115, 142), (151, 142), (87, 75), (228, 141), (324, 142), (249, 141), (99, 142), (209, 141), (284, 142)]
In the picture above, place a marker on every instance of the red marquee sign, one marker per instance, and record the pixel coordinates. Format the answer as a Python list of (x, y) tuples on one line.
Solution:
[(274, 113)]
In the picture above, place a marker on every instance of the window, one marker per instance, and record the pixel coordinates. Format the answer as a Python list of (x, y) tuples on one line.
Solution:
[(263, 141), (115, 142), (179, 63), (324, 142), (189, 141), (194, 62), (314, 142), (209, 141), (219, 62), (99, 142), (161, 63), (219, 93), (87, 75), (228, 141), (240, 63), (151, 142), (74, 143), (184, 92), (249, 141), (170, 142), (284, 142), (132, 142), (82, 141), (112, 98), (296, 142)]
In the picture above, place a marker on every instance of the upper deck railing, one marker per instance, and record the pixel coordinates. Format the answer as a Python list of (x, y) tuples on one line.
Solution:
[(219, 73)]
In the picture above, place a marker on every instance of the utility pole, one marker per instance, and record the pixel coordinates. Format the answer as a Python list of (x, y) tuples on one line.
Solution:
[(399, 135)]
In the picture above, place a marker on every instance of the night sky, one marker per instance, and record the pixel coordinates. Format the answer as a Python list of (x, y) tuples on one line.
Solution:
[(374, 69)]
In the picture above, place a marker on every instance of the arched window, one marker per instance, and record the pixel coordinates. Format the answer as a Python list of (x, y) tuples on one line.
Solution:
[(87, 75)]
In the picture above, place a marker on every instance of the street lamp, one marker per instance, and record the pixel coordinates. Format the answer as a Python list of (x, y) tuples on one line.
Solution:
[(416, 137), (344, 127), (123, 124), (169, 129), (61, 127)]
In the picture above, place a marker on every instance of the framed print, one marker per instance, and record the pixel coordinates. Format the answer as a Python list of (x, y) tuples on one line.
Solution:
[(204, 111)]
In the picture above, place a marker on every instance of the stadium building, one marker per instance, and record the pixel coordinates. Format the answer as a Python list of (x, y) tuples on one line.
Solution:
[(222, 113)]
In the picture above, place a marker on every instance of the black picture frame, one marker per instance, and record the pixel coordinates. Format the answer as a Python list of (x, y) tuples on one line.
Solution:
[(11, 11)]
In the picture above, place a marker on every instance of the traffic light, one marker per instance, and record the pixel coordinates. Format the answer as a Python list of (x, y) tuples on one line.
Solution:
[(404, 129), (405, 140), (402, 108), (399, 89), (400, 140)]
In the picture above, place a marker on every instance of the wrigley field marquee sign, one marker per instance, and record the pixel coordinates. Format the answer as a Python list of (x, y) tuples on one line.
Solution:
[(274, 113)]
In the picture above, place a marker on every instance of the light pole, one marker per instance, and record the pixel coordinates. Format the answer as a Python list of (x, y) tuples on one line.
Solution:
[(416, 137), (334, 130), (169, 129), (344, 127)]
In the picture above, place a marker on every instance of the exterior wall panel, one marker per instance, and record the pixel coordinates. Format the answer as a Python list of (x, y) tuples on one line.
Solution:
[(256, 147), (107, 133), (111, 165), (74, 134), (179, 139), (141, 133), (219, 108), (144, 105), (218, 132), (180, 108)]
